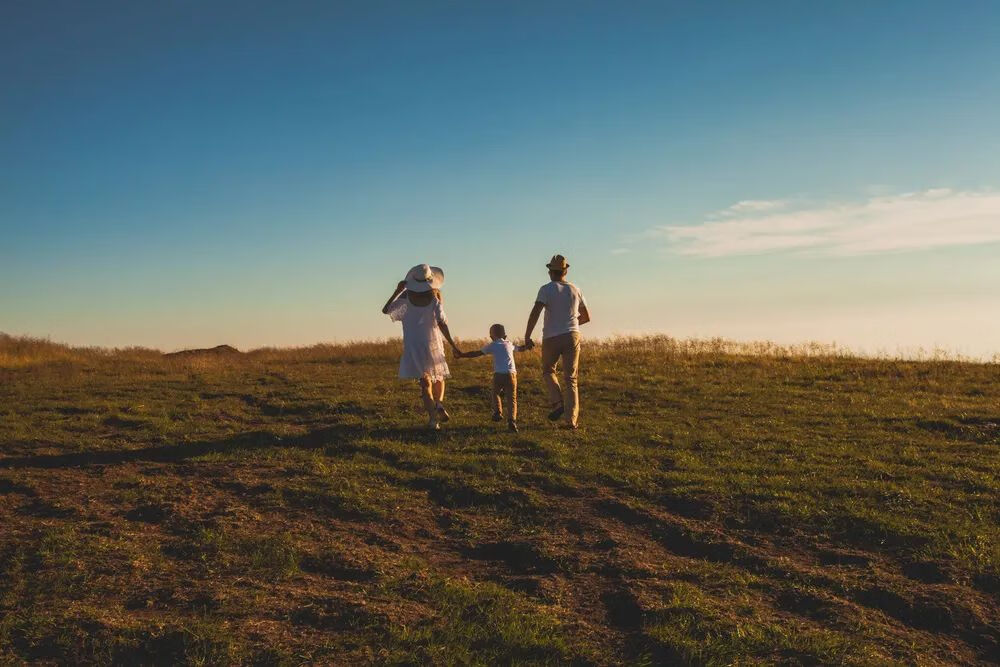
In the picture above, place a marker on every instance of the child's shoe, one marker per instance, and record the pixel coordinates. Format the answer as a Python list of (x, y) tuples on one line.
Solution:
[(497, 417)]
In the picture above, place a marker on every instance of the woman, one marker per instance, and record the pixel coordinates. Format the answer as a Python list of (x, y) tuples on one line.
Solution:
[(416, 303)]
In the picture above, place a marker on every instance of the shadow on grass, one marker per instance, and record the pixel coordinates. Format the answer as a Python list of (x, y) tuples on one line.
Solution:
[(340, 435)]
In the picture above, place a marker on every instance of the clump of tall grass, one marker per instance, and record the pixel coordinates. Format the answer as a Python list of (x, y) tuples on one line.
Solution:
[(24, 351), (324, 352), (16, 351)]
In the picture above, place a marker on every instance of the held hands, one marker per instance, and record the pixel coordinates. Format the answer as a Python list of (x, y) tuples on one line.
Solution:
[(528, 343)]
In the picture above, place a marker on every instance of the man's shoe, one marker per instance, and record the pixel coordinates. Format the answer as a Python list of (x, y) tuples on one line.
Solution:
[(557, 413), (442, 414), (497, 417), (512, 426)]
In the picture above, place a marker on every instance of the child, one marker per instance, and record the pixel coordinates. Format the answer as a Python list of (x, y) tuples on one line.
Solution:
[(504, 373)]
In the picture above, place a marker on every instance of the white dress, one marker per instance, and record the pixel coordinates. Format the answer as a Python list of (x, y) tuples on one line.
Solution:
[(423, 344)]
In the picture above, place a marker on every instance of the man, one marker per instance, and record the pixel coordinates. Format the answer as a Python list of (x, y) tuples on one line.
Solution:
[(565, 310)]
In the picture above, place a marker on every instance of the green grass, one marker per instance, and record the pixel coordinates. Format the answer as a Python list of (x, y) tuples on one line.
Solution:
[(722, 504)]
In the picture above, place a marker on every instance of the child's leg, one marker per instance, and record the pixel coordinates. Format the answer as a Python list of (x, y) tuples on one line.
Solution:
[(512, 397), (497, 393)]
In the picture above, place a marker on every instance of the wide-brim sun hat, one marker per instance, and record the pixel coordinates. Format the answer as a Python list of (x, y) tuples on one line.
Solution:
[(558, 263), (424, 278)]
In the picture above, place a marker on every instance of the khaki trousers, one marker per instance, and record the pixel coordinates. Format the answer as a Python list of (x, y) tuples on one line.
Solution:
[(505, 394), (567, 348)]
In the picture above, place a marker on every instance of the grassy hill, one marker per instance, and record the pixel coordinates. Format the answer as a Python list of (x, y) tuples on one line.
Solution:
[(720, 504)]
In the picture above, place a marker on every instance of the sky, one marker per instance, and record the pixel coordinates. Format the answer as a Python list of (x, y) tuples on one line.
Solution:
[(190, 173)]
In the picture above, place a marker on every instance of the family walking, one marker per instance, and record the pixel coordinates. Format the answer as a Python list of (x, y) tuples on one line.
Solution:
[(417, 304)]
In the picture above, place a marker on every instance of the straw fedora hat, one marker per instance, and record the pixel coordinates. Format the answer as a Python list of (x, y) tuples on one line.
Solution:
[(558, 263), (423, 278)]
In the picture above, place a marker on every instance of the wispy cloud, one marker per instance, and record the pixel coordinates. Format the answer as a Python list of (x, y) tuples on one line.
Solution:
[(752, 206), (884, 223)]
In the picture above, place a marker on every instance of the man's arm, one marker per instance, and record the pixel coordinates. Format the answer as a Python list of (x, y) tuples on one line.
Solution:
[(536, 310), (584, 315)]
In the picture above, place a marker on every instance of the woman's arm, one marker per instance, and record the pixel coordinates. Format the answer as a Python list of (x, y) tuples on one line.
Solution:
[(400, 288), (447, 336)]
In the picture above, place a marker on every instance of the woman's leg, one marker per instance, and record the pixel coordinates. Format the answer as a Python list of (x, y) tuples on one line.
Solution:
[(437, 393), (428, 399)]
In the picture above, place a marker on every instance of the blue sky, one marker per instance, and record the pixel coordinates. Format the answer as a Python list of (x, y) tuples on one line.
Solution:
[(184, 174)]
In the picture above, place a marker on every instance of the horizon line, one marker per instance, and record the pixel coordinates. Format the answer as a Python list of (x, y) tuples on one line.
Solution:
[(687, 345)]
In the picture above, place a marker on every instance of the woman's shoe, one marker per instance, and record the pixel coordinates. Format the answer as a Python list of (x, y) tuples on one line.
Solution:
[(442, 414), (556, 413), (512, 426), (497, 417)]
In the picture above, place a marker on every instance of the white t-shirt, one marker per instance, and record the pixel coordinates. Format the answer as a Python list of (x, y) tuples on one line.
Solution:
[(503, 355), (562, 308)]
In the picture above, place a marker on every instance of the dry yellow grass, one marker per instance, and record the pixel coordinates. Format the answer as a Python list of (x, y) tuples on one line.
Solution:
[(723, 503)]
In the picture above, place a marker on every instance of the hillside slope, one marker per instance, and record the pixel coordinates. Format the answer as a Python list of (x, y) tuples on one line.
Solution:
[(286, 507)]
